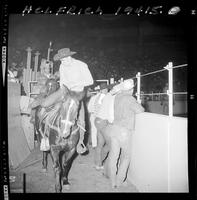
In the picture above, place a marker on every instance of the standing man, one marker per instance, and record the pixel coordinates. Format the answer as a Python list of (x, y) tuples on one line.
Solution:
[(96, 137), (75, 75), (118, 134)]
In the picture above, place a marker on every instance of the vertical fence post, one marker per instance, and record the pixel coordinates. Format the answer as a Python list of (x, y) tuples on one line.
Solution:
[(24, 78), (169, 67), (170, 88), (112, 80), (28, 78), (36, 65), (51, 66), (28, 57), (138, 76)]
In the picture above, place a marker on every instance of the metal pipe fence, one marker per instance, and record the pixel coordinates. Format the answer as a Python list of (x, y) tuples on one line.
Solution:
[(169, 92)]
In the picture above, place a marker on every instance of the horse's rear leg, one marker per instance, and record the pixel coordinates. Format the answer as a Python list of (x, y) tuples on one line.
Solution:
[(66, 164)]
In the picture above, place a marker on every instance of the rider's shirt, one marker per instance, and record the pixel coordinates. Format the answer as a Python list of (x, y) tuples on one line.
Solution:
[(75, 75)]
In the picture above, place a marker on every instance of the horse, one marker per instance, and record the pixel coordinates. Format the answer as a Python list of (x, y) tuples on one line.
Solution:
[(61, 128)]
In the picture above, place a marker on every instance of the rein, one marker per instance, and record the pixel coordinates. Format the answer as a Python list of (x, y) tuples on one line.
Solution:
[(53, 119), (58, 129), (66, 120), (51, 123)]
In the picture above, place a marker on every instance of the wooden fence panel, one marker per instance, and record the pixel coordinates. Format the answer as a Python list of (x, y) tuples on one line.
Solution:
[(17, 142)]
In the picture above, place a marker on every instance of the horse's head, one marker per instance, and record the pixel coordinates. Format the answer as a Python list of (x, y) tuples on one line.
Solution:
[(51, 85), (69, 111)]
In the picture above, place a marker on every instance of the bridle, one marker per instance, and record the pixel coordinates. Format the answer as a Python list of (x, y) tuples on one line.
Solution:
[(57, 119), (66, 121), (51, 83)]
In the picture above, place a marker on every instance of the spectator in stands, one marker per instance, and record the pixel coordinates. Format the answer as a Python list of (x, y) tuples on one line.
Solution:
[(164, 96)]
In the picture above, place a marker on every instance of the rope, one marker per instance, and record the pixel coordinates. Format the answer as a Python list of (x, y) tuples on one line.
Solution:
[(28, 164), (133, 77), (161, 70), (49, 118), (162, 93), (180, 93), (73, 132), (152, 94), (178, 66), (52, 125), (58, 128)]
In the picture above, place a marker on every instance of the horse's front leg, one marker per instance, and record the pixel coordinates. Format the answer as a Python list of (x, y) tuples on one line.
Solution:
[(45, 160), (55, 151), (66, 164)]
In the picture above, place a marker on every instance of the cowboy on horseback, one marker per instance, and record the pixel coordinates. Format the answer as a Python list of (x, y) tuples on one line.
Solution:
[(75, 75)]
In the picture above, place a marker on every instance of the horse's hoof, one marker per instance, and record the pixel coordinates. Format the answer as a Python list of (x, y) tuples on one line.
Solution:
[(105, 174), (124, 184), (114, 186), (66, 187), (44, 170), (57, 189)]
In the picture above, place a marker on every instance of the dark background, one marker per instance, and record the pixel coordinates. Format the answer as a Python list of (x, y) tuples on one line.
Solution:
[(118, 46)]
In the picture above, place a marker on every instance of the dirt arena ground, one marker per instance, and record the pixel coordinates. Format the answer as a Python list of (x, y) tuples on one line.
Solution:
[(83, 177)]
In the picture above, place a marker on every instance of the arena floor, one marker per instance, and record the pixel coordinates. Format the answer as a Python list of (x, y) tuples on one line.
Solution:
[(83, 177)]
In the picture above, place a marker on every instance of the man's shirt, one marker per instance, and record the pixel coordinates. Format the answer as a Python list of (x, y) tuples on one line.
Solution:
[(125, 109), (106, 111), (95, 103), (75, 75)]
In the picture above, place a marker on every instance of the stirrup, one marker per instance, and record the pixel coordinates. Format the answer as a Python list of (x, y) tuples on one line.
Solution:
[(81, 148)]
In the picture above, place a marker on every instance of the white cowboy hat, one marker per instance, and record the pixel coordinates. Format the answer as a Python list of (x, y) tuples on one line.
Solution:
[(127, 84), (63, 53)]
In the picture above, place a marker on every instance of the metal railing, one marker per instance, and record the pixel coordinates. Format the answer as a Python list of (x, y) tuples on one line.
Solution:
[(170, 93), (30, 88)]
